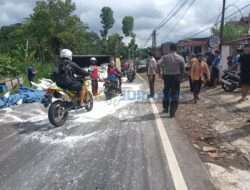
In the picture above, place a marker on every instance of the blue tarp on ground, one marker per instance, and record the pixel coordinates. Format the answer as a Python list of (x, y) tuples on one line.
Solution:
[(24, 95)]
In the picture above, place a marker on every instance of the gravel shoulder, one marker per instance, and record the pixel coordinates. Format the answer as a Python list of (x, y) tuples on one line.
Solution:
[(217, 128)]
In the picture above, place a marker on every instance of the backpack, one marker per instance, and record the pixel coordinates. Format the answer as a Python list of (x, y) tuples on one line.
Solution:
[(60, 71)]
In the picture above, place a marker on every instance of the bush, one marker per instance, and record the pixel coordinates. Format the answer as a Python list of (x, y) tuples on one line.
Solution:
[(7, 67)]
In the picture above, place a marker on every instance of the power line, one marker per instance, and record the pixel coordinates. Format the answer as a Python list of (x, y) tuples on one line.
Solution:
[(173, 15), (171, 11), (177, 23), (191, 35), (178, 6)]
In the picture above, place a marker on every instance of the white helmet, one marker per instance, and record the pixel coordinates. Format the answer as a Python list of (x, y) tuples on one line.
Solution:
[(93, 59), (66, 53)]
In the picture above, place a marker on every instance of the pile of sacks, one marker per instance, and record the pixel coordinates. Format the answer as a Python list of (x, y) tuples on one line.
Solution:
[(23, 95)]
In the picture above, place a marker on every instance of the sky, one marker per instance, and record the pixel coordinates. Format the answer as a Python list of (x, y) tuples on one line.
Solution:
[(148, 14)]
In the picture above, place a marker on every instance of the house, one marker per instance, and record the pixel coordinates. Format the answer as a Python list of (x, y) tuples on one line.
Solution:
[(230, 48), (194, 45)]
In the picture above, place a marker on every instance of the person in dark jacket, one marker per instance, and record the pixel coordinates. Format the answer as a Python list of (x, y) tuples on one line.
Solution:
[(67, 70), (31, 73), (245, 73)]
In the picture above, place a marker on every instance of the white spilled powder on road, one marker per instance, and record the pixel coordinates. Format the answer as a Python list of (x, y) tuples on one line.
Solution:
[(69, 141), (102, 109), (17, 117), (229, 179)]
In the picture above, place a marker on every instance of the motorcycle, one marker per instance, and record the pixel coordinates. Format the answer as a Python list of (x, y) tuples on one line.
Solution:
[(61, 101), (111, 89), (131, 76), (230, 81)]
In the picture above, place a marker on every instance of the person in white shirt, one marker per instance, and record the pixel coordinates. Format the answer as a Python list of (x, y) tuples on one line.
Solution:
[(151, 71)]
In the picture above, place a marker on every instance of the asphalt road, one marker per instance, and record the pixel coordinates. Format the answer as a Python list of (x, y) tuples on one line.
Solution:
[(116, 147)]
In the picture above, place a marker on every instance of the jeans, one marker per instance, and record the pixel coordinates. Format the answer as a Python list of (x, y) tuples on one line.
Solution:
[(151, 80), (196, 88), (171, 93), (94, 84)]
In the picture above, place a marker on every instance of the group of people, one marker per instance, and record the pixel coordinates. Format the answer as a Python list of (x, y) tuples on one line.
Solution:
[(171, 69), (67, 70), (202, 70)]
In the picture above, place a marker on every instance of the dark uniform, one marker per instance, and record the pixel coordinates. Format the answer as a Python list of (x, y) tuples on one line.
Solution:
[(66, 79)]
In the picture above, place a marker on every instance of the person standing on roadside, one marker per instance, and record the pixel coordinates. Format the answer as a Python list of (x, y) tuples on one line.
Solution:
[(188, 70), (245, 73), (152, 71), (215, 68), (31, 74), (199, 74), (172, 70)]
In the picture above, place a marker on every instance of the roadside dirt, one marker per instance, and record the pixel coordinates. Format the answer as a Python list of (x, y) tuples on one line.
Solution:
[(216, 126), (213, 128)]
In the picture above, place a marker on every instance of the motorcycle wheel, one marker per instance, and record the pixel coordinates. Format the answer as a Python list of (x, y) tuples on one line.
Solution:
[(130, 79), (57, 114), (228, 88), (89, 102), (108, 95)]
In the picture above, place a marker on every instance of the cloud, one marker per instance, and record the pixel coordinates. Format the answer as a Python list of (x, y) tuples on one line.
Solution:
[(147, 13), (14, 11)]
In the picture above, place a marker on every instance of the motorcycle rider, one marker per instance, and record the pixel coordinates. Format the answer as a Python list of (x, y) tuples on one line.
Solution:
[(94, 76), (67, 71), (114, 75)]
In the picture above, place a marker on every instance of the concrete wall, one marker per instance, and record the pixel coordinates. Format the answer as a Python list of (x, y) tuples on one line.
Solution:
[(225, 52)]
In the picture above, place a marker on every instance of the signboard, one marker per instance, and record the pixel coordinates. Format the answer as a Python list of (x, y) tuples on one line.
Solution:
[(214, 41)]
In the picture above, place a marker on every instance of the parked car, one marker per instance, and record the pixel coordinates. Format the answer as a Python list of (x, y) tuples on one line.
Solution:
[(141, 65)]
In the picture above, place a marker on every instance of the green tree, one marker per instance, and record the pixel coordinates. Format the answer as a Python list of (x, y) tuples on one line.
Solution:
[(115, 44), (132, 47), (53, 26), (10, 37), (107, 20), (128, 25), (231, 31)]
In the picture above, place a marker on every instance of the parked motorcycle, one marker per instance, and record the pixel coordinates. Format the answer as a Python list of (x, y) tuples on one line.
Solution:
[(131, 76), (111, 89), (61, 101), (230, 81)]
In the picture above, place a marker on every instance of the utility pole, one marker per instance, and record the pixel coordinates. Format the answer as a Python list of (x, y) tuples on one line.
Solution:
[(249, 24), (154, 39), (222, 23), (26, 51), (154, 42)]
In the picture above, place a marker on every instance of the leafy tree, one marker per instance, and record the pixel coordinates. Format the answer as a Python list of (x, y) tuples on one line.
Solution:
[(10, 37), (231, 31), (132, 46), (107, 21), (54, 26), (114, 44), (128, 25)]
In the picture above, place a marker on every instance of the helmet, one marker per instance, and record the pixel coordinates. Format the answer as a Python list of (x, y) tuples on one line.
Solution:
[(66, 53), (93, 60)]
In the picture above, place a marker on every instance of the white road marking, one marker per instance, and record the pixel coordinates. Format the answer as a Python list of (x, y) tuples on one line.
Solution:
[(174, 167), (140, 77), (178, 179)]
